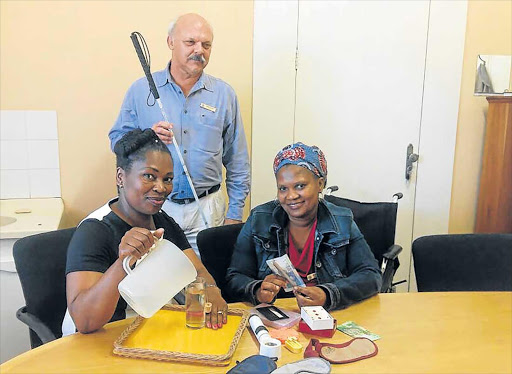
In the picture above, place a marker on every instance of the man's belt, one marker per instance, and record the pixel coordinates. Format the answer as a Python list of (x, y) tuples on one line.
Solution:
[(188, 201)]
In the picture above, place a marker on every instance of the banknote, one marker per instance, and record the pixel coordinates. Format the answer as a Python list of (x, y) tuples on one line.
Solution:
[(283, 267), (353, 329)]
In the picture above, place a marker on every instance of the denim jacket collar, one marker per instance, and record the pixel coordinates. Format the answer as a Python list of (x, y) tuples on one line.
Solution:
[(328, 226)]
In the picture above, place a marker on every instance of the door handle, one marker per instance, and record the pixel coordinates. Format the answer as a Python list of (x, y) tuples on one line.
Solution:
[(410, 159)]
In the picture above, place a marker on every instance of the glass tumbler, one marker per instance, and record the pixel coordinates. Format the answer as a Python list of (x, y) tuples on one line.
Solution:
[(195, 298)]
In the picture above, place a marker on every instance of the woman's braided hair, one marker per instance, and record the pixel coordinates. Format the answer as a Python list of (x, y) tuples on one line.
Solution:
[(134, 145)]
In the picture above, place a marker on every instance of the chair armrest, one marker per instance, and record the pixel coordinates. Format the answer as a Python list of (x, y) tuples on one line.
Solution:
[(35, 324), (392, 252)]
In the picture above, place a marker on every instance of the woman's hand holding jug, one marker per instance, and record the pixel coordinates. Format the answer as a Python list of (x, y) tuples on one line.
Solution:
[(137, 242)]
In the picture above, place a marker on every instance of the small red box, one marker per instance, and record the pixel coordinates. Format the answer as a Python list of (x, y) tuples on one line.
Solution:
[(303, 327)]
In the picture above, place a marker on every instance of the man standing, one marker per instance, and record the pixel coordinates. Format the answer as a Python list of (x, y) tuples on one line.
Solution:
[(206, 122)]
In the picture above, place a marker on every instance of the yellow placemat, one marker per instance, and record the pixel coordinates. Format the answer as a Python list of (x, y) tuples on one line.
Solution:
[(166, 337), (166, 331)]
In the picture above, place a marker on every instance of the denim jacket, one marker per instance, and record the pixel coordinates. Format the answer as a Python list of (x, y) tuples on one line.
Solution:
[(344, 264)]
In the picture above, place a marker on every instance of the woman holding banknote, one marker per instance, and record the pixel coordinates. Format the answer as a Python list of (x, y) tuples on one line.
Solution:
[(321, 240)]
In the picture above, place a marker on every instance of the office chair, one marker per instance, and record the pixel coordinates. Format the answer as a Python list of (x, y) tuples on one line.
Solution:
[(41, 264), (377, 222), (216, 246), (463, 262)]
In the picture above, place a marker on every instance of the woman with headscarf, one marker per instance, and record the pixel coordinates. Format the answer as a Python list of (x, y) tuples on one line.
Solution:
[(321, 239)]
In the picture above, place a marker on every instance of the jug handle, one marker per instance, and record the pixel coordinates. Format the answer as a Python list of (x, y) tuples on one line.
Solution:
[(126, 260), (126, 265)]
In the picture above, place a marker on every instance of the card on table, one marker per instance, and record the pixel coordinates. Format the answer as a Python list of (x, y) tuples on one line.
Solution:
[(353, 329)]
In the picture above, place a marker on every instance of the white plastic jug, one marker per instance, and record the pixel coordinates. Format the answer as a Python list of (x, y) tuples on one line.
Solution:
[(156, 279)]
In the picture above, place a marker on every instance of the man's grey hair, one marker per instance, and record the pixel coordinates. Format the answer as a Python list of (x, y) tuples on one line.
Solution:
[(170, 29)]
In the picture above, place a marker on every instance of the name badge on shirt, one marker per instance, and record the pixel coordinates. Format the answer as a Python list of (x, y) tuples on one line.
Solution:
[(208, 107)]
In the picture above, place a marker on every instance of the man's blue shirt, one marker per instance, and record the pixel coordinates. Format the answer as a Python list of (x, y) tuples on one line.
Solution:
[(207, 126)]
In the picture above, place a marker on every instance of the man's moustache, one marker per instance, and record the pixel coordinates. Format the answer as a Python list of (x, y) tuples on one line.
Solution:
[(198, 58)]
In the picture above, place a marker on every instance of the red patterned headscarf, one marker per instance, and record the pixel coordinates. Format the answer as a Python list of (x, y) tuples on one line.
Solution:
[(309, 157)]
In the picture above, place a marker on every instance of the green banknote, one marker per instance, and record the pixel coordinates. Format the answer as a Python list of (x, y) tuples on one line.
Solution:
[(353, 329)]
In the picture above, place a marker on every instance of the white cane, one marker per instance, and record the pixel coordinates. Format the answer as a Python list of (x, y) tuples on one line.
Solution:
[(152, 87)]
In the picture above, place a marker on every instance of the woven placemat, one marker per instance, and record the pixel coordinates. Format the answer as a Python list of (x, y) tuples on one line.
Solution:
[(121, 349)]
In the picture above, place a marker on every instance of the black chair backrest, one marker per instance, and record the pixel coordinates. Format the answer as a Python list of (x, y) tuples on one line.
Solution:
[(216, 248), (377, 222), (41, 264), (463, 262)]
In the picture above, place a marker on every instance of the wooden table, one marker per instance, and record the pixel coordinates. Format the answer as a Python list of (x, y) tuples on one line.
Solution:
[(454, 332)]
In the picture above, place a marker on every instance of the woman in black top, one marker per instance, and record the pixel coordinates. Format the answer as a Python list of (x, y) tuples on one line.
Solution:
[(122, 228)]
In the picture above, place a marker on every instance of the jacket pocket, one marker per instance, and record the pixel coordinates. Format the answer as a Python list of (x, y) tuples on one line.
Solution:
[(335, 260), (265, 250), (208, 136)]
